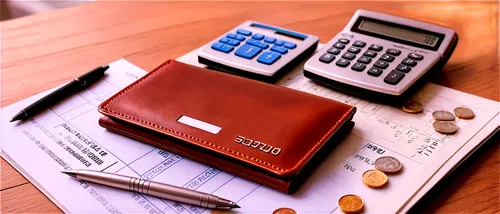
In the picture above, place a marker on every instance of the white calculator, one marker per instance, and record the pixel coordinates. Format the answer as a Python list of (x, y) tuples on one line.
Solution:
[(381, 57), (258, 51)]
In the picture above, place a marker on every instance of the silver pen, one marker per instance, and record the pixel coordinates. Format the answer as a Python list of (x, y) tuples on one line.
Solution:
[(152, 188)]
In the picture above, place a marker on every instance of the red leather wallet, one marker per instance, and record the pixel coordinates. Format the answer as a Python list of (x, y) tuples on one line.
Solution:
[(265, 133)]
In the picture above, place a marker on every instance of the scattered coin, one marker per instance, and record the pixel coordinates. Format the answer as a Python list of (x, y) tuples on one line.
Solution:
[(284, 210), (351, 204), (464, 113), (441, 115), (389, 165), (374, 178), (413, 107), (445, 127)]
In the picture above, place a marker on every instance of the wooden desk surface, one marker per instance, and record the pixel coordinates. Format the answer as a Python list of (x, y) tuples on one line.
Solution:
[(45, 50)]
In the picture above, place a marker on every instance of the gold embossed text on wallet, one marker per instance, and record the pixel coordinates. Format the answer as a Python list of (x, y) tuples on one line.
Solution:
[(269, 134)]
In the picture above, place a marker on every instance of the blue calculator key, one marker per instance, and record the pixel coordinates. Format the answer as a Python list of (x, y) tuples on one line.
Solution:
[(290, 45), (231, 35), (279, 49), (244, 32), (224, 40), (222, 47), (268, 57), (239, 37), (247, 51), (269, 40), (263, 45), (233, 42), (279, 42), (258, 36)]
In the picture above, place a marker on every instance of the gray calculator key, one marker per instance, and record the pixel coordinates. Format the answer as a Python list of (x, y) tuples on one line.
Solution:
[(365, 59), (387, 58), (394, 77), (342, 62), (358, 66), (375, 47), (348, 56), (327, 58), (344, 40), (409, 62), (333, 51), (403, 68), (375, 71), (381, 64), (393, 52), (354, 50), (370, 53), (339, 45), (415, 56), (359, 43)]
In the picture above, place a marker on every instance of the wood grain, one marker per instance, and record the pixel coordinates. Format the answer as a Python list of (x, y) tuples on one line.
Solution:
[(45, 50)]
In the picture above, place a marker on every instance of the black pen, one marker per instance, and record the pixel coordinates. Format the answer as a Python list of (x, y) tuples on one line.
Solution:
[(72, 87)]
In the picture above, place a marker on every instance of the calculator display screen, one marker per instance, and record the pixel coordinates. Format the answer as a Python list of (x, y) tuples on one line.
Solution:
[(421, 38), (399, 33)]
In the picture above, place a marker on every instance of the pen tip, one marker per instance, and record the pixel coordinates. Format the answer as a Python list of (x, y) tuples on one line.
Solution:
[(236, 206), (71, 173)]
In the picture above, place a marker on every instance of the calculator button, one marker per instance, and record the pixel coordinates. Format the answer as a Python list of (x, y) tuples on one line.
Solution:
[(327, 58), (359, 44), (290, 45), (257, 43), (222, 47), (348, 56), (258, 36), (344, 40), (415, 56), (342, 62), (364, 59), (224, 40), (279, 49), (268, 57), (409, 62), (358, 66), (339, 45), (375, 47), (233, 42), (370, 53), (394, 77), (279, 43), (334, 51), (381, 64), (375, 71), (403, 68), (240, 37), (354, 50), (244, 32), (393, 52), (269, 40), (247, 51), (231, 35), (387, 58)]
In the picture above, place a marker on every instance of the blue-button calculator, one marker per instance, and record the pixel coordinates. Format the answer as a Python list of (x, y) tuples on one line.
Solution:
[(258, 51)]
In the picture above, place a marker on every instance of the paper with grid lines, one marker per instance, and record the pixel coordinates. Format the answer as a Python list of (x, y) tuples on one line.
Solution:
[(68, 136)]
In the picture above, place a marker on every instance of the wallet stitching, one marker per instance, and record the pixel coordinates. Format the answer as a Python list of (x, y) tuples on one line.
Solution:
[(128, 88)]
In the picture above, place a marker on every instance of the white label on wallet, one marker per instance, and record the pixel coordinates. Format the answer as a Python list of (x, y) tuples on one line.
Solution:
[(199, 124)]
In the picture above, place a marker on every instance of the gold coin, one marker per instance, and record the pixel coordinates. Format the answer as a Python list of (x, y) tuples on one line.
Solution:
[(284, 210), (464, 113), (351, 204), (445, 127), (389, 165), (443, 115), (413, 107), (374, 178)]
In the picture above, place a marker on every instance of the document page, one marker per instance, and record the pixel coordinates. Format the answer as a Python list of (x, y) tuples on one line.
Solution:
[(67, 136)]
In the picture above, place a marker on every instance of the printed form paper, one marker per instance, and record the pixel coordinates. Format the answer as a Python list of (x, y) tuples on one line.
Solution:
[(67, 136)]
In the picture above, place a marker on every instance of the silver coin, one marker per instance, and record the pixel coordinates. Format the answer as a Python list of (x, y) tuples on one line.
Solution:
[(388, 164), (443, 115), (445, 127)]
